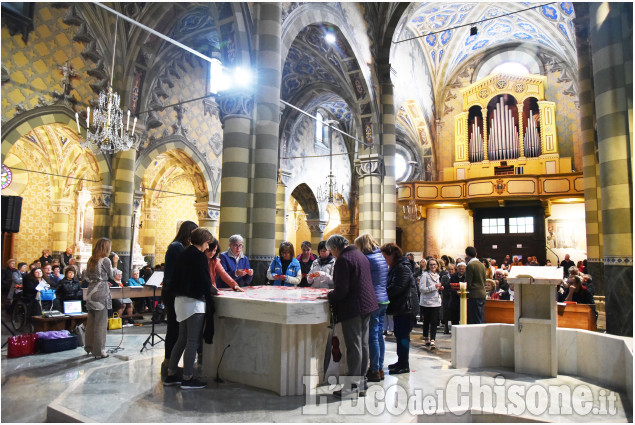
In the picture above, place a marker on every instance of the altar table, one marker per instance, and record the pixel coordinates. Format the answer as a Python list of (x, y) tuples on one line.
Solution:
[(275, 336)]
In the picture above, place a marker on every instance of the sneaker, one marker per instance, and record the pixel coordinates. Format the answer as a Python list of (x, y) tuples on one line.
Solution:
[(192, 384), (171, 380)]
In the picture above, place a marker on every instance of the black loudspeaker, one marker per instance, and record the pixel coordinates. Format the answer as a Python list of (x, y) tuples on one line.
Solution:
[(11, 212)]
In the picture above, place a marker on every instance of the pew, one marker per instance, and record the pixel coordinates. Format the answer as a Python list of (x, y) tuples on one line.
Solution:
[(575, 316)]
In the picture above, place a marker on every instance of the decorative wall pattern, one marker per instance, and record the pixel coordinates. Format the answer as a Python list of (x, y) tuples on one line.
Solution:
[(173, 209), (412, 233), (33, 68)]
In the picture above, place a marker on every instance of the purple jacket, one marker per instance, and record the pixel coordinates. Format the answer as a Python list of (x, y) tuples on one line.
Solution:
[(354, 294)]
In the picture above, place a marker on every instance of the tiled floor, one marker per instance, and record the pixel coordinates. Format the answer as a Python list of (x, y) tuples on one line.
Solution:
[(70, 386)]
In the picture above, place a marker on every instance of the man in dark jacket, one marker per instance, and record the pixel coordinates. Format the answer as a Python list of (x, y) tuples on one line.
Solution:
[(475, 278), (353, 299)]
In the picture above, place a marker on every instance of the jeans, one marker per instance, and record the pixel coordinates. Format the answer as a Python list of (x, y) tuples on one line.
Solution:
[(376, 341), (475, 311), (355, 331), (403, 327), (430, 319), (186, 345), (172, 332)]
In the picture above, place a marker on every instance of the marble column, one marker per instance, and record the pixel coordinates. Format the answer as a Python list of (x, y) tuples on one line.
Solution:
[(101, 199), (281, 206), (235, 111), (316, 226), (149, 234), (122, 210), (612, 58), (590, 166), (389, 204), (369, 170), (61, 211), (208, 215), (261, 246)]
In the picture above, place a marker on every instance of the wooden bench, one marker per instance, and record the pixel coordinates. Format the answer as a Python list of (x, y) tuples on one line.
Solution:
[(45, 324), (576, 316)]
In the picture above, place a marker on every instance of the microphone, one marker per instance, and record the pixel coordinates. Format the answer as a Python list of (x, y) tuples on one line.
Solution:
[(557, 258), (217, 379)]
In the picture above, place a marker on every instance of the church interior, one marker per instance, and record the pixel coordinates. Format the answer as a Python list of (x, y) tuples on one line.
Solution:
[(435, 125)]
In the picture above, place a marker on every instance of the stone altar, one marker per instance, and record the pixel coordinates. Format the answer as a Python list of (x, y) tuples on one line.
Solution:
[(274, 335)]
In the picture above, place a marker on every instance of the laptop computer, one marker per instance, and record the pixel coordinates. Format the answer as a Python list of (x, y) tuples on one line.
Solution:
[(73, 308)]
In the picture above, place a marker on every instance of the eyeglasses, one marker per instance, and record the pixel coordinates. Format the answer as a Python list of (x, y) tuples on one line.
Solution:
[(239, 246)]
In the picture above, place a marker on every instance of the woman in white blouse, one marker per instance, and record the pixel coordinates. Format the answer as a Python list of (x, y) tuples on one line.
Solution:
[(430, 301)]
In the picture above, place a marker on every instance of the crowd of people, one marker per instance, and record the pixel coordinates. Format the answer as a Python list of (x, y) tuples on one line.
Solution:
[(373, 290)]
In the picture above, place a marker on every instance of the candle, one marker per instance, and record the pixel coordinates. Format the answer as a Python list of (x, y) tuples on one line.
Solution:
[(128, 121), (88, 117), (134, 124), (463, 286), (77, 121)]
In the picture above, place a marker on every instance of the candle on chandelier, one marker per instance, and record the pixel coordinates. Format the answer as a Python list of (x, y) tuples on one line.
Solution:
[(88, 117), (128, 121), (77, 121), (134, 124)]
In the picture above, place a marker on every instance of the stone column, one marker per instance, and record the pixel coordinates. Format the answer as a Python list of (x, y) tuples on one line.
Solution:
[(316, 226), (369, 169), (389, 204), (208, 215), (61, 211), (149, 234), (261, 246), (236, 111), (122, 210), (612, 58), (590, 168), (281, 206), (102, 201)]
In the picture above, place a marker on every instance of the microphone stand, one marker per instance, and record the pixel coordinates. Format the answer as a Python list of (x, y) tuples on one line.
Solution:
[(553, 252), (217, 379)]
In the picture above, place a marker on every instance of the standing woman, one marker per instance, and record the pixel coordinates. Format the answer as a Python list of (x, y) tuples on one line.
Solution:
[(176, 248), (321, 273), (379, 272), (285, 269), (402, 293), (430, 301), (98, 301), (306, 259), (192, 288)]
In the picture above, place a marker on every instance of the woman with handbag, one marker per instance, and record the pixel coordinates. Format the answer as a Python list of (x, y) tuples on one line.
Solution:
[(98, 300), (404, 302)]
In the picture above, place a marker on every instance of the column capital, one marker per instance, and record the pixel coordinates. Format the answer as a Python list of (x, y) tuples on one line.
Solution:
[(207, 211), (316, 225), (102, 197), (136, 203), (62, 206), (384, 74), (369, 165), (211, 108), (283, 176), (237, 104), (151, 213)]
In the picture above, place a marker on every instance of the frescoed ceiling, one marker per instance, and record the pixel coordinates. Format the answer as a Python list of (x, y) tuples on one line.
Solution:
[(550, 26)]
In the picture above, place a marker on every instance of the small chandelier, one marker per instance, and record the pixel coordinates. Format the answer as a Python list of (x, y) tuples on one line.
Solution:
[(331, 191), (107, 133), (412, 212)]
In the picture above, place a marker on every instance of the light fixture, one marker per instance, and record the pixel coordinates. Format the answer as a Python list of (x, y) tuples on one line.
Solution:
[(329, 37), (330, 191), (411, 212), (107, 133), (473, 30)]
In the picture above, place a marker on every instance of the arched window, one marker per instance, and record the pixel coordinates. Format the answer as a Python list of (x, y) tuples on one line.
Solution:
[(321, 130), (515, 68)]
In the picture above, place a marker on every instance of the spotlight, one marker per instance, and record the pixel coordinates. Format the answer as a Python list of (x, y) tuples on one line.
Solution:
[(329, 38), (473, 31)]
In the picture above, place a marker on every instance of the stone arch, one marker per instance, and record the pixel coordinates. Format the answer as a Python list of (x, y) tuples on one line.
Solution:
[(307, 200), (146, 158), (23, 124)]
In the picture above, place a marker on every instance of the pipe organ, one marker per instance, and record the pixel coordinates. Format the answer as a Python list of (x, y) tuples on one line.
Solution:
[(506, 120)]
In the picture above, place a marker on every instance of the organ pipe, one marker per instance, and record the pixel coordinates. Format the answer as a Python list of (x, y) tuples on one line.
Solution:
[(503, 141)]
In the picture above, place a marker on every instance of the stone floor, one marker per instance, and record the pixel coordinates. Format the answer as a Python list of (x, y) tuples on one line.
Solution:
[(70, 386)]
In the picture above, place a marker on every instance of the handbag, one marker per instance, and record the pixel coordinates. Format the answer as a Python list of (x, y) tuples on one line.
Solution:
[(47, 294), (21, 345), (115, 322)]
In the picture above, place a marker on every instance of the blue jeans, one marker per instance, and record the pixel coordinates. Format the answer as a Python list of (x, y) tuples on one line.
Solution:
[(403, 327), (376, 339)]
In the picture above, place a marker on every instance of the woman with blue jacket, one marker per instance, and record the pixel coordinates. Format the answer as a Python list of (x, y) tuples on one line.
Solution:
[(285, 268), (379, 272)]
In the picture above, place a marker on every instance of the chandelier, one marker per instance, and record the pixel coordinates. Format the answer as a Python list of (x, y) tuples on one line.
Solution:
[(330, 190), (107, 132), (412, 212)]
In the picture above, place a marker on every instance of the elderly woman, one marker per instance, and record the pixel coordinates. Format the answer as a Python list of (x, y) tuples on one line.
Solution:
[(285, 269), (235, 263), (379, 272), (402, 294), (321, 273), (122, 303), (98, 301)]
